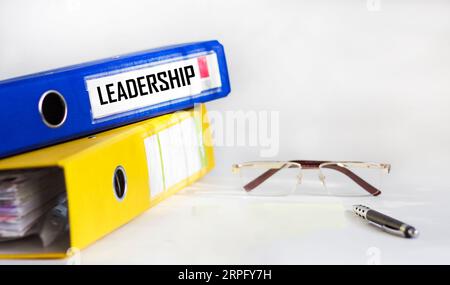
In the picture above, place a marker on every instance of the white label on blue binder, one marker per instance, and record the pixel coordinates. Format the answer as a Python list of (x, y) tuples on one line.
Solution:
[(144, 86)]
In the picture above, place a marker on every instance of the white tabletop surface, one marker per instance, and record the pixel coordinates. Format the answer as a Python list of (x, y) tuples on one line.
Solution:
[(213, 222)]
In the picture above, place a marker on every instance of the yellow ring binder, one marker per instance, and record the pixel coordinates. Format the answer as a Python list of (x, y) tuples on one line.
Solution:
[(88, 166)]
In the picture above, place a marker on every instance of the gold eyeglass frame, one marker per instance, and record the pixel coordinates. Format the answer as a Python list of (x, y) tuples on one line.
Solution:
[(341, 166)]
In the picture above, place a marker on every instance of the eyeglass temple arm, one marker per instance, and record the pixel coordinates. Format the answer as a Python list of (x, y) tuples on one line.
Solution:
[(263, 177), (269, 173), (260, 179), (358, 180), (313, 164)]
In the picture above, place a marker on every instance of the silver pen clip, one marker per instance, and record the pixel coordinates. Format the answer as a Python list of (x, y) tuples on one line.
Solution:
[(388, 229)]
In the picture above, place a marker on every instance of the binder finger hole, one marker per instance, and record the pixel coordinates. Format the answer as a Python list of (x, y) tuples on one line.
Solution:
[(120, 183), (53, 109)]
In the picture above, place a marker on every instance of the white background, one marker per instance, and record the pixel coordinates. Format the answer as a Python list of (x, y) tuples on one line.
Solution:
[(351, 81)]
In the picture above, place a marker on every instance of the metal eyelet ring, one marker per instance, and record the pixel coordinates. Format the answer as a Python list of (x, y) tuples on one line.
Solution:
[(120, 183), (53, 109)]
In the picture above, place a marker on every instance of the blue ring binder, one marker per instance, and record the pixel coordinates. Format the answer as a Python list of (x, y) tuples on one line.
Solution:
[(108, 93)]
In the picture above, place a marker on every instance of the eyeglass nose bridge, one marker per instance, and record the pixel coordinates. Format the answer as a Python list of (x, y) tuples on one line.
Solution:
[(299, 178), (322, 178)]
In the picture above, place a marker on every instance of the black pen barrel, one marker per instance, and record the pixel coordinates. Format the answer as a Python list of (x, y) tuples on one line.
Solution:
[(382, 219)]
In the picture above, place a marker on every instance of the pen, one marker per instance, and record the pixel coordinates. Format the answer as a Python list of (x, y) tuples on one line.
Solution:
[(387, 223)]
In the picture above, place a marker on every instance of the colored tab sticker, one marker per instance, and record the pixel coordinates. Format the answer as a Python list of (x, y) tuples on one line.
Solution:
[(203, 67)]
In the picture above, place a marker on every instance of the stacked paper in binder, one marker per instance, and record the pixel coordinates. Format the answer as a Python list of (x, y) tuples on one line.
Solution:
[(84, 167), (25, 197)]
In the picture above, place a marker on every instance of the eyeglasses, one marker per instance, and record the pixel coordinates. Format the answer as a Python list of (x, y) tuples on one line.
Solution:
[(339, 178)]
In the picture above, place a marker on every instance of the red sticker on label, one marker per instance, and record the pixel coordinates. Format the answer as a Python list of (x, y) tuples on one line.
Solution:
[(203, 67)]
